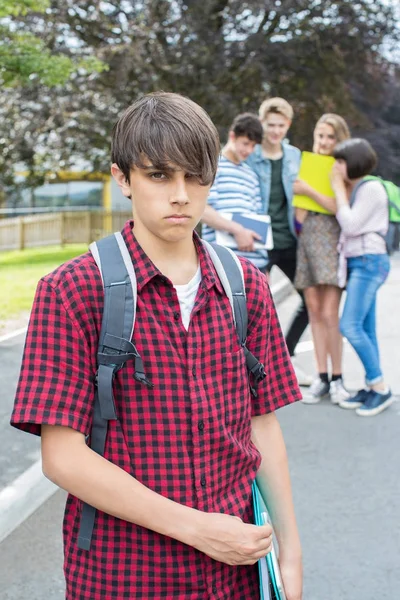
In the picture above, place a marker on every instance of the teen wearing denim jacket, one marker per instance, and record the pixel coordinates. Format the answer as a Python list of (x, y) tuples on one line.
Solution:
[(276, 165), (290, 168)]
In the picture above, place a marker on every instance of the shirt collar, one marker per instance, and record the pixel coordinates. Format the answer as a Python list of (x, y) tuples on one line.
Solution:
[(258, 153), (146, 270)]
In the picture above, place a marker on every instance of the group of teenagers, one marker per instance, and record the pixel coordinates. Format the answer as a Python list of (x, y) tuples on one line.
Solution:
[(338, 245), (172, 491)]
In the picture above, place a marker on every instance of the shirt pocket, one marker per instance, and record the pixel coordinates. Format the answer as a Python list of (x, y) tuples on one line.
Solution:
[(231, 390)]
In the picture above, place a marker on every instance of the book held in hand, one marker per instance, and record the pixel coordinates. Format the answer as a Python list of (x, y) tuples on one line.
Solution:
[(315, 170), (261, 224), (271, 586)]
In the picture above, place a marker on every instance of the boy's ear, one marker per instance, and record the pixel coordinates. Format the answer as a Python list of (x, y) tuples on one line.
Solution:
[(121, 180)]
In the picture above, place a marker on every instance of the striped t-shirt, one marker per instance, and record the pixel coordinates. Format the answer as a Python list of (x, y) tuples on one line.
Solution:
[(236, 190)]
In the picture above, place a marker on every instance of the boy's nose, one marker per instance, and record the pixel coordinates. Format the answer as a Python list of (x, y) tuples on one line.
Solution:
[(180, 195)]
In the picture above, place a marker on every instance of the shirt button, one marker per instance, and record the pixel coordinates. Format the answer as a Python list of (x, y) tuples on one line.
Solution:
[(177, 316), (203, 481), (214, 590), (201, 425), (194, 371)]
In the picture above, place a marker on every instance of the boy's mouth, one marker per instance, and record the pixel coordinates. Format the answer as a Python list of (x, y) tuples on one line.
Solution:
[(178, 218)]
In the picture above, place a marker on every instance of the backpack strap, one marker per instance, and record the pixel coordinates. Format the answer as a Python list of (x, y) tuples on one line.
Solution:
[(230, 273), (115, 348)]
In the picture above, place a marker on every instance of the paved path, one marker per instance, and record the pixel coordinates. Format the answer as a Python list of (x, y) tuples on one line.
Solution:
[(22, 449), (345, 482)]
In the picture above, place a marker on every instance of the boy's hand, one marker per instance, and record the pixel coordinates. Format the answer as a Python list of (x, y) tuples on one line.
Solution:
[(245, 239), (227, 539)]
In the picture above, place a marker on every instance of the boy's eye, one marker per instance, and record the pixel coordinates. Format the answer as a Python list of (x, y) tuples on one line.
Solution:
[(158, 175)]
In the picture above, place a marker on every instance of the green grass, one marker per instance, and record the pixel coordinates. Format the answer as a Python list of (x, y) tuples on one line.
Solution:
[(21, 270)]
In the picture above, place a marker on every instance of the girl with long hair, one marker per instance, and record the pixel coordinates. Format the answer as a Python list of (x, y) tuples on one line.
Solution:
[(317, 268)]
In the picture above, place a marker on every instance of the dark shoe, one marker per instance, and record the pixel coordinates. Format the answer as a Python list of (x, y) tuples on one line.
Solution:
[(355, 401), (375, 404)]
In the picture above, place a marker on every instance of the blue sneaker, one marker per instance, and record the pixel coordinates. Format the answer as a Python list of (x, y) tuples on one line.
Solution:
[(375, 404), (355, 401)]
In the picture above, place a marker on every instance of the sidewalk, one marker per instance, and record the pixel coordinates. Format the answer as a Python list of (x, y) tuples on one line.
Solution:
[(388, 331)]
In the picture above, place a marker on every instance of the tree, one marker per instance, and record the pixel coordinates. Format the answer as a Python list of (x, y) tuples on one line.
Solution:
[(24, 55), (228, 55)]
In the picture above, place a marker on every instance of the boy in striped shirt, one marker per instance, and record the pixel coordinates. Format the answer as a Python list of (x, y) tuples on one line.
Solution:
[(236, 189)]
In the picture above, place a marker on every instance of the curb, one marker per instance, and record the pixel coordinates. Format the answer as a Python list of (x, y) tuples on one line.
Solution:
[(22, 497)]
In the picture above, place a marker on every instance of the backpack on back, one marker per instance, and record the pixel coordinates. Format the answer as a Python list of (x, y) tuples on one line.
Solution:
[(392, 237), (115, 341)]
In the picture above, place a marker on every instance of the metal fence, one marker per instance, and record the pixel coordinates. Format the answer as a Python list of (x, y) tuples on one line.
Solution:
[(59, 228)]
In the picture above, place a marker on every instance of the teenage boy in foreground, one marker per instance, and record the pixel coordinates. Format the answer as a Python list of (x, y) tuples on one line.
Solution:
[(173, 491), (276, 165), (236, 190)]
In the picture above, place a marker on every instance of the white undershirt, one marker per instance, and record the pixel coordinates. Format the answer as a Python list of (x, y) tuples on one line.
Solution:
[(187, 295)]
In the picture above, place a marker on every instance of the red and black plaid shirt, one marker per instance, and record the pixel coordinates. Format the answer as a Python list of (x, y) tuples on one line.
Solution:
[(188, 438)]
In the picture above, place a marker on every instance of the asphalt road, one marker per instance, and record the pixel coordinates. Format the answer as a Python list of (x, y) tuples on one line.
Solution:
[(20, 450), (345, 475)]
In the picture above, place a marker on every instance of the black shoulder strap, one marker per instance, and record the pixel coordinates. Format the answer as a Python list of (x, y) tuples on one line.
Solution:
[(115, 348), (230, 273)]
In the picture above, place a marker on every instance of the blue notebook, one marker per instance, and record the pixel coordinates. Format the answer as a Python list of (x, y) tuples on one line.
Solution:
[(261, 224), (271, 586)]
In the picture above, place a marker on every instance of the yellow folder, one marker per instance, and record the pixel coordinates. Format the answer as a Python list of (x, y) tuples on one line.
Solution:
[(315, 170)]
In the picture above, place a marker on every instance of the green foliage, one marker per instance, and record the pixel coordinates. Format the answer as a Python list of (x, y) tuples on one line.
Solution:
[(228, 55), (24, 55), (21, 7)]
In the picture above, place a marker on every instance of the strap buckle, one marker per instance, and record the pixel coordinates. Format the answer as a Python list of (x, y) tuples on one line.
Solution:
[(255, 370)]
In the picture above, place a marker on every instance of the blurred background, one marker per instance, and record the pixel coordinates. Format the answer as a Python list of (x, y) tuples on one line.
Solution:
[(68, 69)]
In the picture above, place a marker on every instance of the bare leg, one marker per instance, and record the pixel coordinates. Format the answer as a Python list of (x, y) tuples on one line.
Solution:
[(314, 301), (330, 314)]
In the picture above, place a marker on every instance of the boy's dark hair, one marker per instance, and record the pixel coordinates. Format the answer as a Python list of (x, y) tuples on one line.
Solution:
[(165, 129), (359, 156), (248, 125)]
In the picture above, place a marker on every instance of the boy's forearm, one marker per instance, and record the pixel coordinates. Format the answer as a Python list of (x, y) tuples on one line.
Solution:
[(73, 466), (213, 219), (274, 482)]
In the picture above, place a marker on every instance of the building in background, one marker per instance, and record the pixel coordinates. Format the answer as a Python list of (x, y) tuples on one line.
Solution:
[(64, 191)]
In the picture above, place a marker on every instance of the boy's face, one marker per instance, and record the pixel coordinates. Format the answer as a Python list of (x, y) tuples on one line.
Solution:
[(166, 204), (241, 146), (275, 128)]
